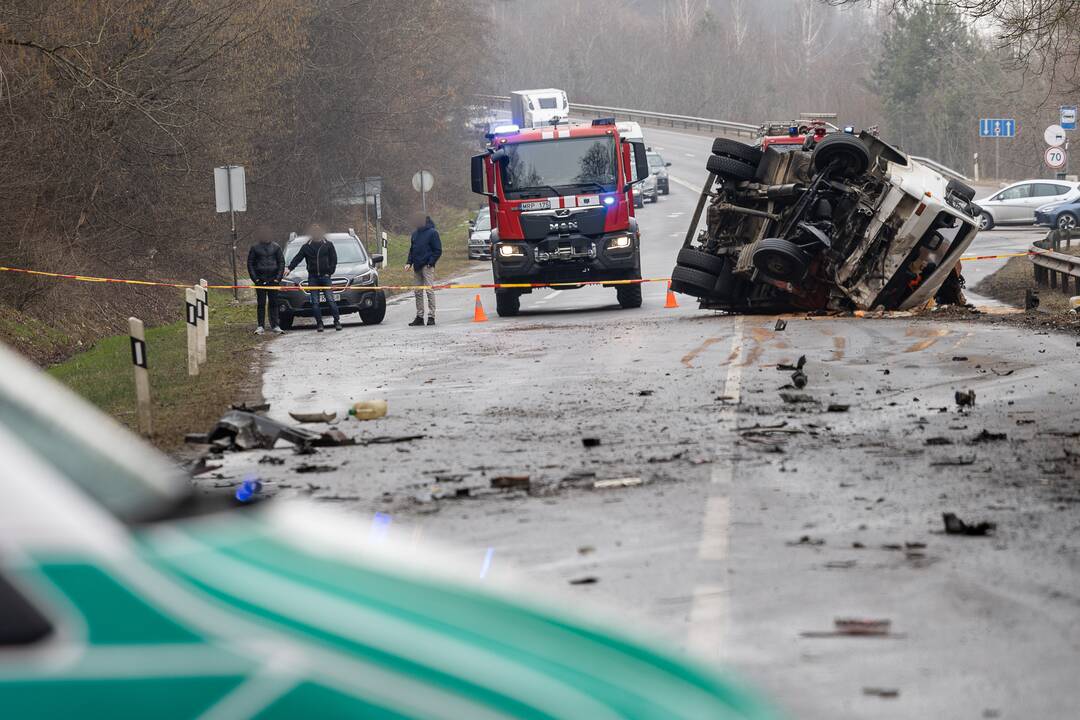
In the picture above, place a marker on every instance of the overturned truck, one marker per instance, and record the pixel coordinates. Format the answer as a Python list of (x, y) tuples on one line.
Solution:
[(846, 223)]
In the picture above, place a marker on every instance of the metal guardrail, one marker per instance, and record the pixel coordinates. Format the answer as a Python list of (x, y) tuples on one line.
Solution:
[(1053, 269)]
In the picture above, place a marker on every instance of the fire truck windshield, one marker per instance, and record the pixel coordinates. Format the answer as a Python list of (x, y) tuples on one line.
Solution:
[(546, 167)]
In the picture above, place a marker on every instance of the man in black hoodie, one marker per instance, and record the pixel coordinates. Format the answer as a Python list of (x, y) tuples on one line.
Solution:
[(321, 258), (425, 249), (266, 265)]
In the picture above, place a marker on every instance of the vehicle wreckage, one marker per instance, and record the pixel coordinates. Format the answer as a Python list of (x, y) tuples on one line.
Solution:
[(841, 222)]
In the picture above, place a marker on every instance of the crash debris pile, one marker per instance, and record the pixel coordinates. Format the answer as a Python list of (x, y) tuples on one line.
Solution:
[(840, 223)]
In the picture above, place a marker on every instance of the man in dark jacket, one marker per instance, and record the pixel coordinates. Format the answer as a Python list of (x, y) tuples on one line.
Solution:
[(424, 251), (321, 258), (266, 265)]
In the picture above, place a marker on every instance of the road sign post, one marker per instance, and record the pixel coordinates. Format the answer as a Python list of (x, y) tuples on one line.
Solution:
[(997, 128), (1056, 157), (230, 189), (1068, 117), (422, 183)]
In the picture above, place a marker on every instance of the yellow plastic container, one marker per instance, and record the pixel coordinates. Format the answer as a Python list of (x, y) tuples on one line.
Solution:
[(368, 409)]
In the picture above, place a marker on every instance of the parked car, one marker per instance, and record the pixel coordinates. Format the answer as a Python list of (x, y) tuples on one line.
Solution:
[(480, 236), (1060, 215), (659, 168), (1016, 204), (125, 592), (645, 192), (356, 269)]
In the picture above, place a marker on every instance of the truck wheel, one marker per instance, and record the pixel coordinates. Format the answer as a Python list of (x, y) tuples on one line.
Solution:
[(629, 295), (845, 153), (375, 315), (960, 190), (730, 168), (737, 150), (285, 319), (700, 260), (689, 281), (507, 303), (781, 259)]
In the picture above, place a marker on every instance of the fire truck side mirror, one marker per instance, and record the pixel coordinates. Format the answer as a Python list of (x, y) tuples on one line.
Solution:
[(641, 162), (478, 185)]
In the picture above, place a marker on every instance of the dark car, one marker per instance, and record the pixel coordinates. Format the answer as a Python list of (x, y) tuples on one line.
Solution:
[(1062, 216), (659, 169), (355, 270)]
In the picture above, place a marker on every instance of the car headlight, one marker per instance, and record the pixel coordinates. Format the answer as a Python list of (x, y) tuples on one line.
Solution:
[(511, 251), (365, 278), (620, 242)]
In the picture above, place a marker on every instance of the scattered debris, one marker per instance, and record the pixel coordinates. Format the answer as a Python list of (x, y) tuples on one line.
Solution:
[(256, 408), (645, 393), (506, 482), (881, 692), (781, 325), (617, 483), (389, 439), (586, 550), (1002, 373), (965, 398), (806, 540), (838, 408), (855, 627), (321, 417), (782, 367), (840, 564), (368, 409), (248, 489), (587, 580), (667, 458), (333, 438), (956, 526), (987, 436), (271, 460), (242, 430), (305, 468), (938, 441), (961, 461), (797, 398), (799, 379), (590, 442), (959, 358)]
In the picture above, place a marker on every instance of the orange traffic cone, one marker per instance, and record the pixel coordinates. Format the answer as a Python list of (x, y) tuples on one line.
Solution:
[(478, 313), (671, 301)]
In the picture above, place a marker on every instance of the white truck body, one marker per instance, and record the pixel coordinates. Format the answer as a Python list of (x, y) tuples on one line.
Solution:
[(533, 108)]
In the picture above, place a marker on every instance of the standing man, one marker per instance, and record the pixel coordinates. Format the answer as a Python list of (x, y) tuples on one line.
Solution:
[(321, 258), (266, 265), (424, 251)]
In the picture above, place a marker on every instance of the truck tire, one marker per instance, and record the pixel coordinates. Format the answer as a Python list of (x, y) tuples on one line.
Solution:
[(688, 281), (699, 260), (629, 296), (737, 150), (960, 190), (730, 168), (845, 153), (507, 303), (781, 259), (375, 315)]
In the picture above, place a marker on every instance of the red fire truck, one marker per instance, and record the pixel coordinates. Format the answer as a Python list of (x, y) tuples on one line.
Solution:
[(561, 206)]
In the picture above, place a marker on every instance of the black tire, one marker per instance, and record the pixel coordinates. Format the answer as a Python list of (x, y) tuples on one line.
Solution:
[(699, 260), (846, 154), (375, 315), (285, 319), (1066, 221), (781, 259), (986, 221), (689, 281), (730, 168), (629, 296), (507, 303), (960, 190), (737, 150)]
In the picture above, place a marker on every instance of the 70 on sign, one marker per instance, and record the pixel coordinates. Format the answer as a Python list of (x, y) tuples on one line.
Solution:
[(1055, 158)]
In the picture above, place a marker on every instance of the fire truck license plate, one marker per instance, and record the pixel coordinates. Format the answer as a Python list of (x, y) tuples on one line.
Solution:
[(538, 205)]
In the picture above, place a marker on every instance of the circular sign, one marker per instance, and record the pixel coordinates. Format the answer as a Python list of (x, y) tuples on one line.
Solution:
[(1055, 158), (423, 181), (1054, 136)]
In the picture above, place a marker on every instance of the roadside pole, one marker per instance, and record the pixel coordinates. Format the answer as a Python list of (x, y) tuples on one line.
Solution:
[(200, 325), (142, 375), (230, 191), (232, 253), (206, 306), (191, 315)]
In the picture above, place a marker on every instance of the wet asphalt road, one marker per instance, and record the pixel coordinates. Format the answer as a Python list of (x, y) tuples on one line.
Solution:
[(757, 519)]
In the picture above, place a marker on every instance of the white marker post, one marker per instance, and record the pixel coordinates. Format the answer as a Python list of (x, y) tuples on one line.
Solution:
[(142, 375), (200, 326), (191, 315), (206, 306)]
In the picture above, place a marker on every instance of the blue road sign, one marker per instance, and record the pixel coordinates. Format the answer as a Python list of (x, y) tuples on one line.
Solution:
[(997, 127), (1068, 117)]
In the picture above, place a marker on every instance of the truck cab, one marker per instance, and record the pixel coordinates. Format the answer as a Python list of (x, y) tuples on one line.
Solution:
[(535, 108), (560, 200)]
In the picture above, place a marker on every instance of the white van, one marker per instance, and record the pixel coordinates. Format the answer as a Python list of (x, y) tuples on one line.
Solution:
[(533, 108)]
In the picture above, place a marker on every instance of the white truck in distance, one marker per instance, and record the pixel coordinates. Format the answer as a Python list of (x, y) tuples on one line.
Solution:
[(533, 108)]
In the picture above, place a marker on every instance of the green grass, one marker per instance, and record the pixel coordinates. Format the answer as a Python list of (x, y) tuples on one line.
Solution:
[(181, 404)]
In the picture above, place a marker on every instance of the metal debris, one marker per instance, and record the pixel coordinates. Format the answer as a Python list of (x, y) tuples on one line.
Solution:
[(888, 693), (965, 398), (781, 325), (321, 417), (242, 430), (617, 483), (313, 468), (956, 526), (587, 580), (506, 482), (590, 442), (783, 367), (987, 436), (838, 408), (333, 438)]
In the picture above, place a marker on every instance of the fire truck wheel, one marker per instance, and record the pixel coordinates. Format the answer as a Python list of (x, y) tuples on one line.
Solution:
[(730, 168), (691, 258), (737, 150), (629, 296), (846, 154), (507, 303), (781, 259), (689, 281)]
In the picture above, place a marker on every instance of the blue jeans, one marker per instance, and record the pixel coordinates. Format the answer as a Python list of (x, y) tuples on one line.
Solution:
[(322, 281)]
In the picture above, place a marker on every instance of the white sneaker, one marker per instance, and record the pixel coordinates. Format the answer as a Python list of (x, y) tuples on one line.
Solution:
[(259, 330), (276, 330)]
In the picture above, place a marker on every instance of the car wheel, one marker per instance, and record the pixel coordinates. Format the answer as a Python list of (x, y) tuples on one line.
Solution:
[(986, 221), (700, 260), (748, 154), (507, 303), (1066, 221), (375, 315), (689, 281), (846, 154), (781, 259), (285, 319), (629, 295), (730, 168)]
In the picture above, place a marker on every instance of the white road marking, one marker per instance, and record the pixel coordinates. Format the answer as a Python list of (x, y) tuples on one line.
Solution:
[(689, 155)]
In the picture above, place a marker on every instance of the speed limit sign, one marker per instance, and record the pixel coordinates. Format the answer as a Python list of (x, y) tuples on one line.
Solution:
[(1055, 158)]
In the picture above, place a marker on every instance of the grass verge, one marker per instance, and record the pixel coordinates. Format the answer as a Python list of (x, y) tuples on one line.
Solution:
[(1011, 282), (182, 404)]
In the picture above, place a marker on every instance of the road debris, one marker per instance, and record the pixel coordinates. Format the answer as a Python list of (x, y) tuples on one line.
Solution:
[(248, 489), (792, 398), (987, 436), (241, 430), (888, 693), (781, 325), (271, 460), (806, 540), (965, 398), (590, 442), (784, 367), (838, 408), (956, 526), (368, 410), (256, 408), (310, 417), (389, 439), (333, 438), (960, 358), (306, 468), (855, 627), (799, 379), (587, 580), (506, 482), (934, 441), (618, 483), (645, 393)]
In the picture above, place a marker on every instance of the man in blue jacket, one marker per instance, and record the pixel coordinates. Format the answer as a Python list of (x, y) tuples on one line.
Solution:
[(425, 250)]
